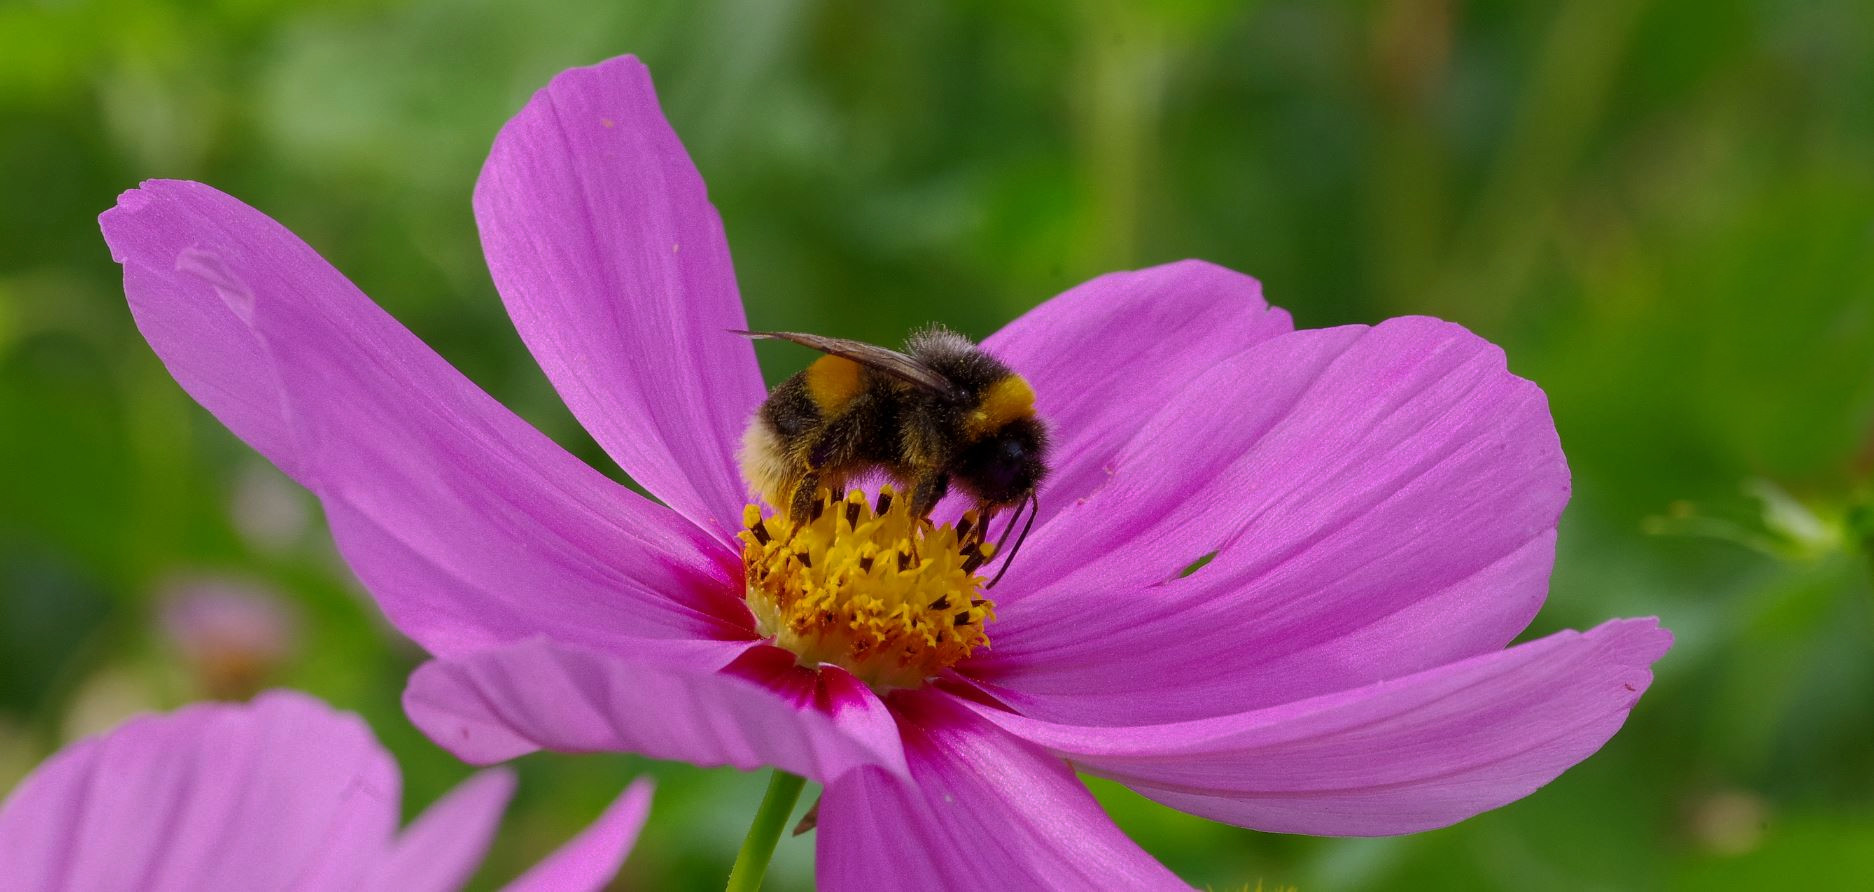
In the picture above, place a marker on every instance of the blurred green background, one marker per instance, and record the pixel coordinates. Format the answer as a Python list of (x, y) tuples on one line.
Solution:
[(1663, 210)]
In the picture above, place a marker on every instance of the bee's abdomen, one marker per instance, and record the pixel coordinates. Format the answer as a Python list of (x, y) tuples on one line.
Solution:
[(790, 409), (771, 457)]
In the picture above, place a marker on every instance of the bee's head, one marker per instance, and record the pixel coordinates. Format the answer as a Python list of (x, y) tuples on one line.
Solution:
[(1006, 466)]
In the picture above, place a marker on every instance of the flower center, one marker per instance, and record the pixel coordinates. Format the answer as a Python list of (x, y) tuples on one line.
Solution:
[(890, 597)]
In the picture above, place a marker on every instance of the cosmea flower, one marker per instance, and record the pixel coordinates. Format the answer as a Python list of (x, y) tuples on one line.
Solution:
[(229, 633), (1378, 506), (280, 793)]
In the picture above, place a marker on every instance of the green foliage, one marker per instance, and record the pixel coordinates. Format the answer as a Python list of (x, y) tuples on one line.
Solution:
[(1663, 210)]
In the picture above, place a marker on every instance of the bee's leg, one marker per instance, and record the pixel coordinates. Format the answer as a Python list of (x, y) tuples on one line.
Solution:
[(811, 494), (984, 514), (927, 489), (806, 498), (836, 450)]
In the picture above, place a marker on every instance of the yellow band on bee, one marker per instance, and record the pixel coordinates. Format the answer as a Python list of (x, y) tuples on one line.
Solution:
[(832, 382), (1006, 400)]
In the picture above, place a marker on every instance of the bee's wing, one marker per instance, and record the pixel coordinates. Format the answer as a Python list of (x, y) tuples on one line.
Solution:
[(885, 360)]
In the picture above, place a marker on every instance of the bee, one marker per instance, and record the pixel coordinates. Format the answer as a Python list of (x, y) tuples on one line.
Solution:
[(941, 414)]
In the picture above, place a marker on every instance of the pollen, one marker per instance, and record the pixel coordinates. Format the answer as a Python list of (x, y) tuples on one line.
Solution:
[(892, 598)]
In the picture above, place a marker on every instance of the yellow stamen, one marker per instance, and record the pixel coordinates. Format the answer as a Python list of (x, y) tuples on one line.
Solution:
[(891, 598)]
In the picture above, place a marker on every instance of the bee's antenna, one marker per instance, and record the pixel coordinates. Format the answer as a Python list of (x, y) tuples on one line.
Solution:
[(1034, 508)]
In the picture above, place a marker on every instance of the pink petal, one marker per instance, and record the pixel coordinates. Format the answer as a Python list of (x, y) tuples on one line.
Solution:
[(981, 810), (284, 792), (614, 267), (443, 847), (592, 858), (1379, 501), (1398, 756), (1110, 351), (688, 703), (469, 526)]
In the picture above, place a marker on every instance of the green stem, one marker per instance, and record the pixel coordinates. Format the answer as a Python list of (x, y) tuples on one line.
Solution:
[(752, 862)]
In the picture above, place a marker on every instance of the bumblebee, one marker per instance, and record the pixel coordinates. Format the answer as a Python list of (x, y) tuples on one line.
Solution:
[(941, 414)]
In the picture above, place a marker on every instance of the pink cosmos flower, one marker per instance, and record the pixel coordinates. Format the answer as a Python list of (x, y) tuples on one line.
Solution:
[(229, 633), (281, 793), (1378, 505)]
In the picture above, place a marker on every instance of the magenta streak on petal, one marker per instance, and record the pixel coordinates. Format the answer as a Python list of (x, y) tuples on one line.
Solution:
[(1382, 501), (981, 810), (828, 689), (663, 701), (1399, 756), (469, 526), (615, 269), (1113, 350)]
